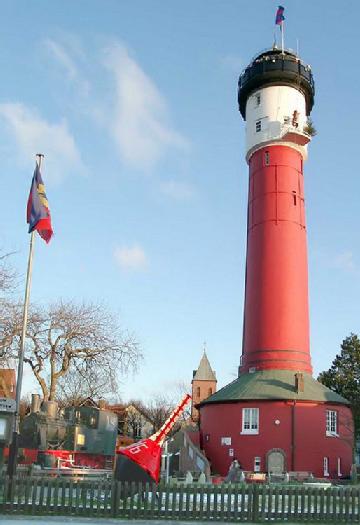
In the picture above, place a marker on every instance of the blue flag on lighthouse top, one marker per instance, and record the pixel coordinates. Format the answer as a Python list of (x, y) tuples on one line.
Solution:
[(280, 15)]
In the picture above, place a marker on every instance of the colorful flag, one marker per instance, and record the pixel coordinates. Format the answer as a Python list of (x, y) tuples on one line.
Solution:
[(280, 15), (38, 213)]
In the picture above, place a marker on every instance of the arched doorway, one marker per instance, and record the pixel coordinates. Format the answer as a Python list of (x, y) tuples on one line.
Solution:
[(275, 461)]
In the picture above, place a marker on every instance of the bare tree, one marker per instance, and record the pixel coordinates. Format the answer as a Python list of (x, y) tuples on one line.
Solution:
[(67, 338), (76, 386), (7, 273), (8, 283)]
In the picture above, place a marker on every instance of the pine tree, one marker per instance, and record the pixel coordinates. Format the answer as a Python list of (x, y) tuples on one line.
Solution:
[(344, 376)]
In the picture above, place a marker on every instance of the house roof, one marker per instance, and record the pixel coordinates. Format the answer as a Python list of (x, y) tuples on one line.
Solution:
[(204, 371), (274, 384)]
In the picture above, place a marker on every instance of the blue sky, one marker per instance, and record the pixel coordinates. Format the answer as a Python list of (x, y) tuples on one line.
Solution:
[(134, 105)]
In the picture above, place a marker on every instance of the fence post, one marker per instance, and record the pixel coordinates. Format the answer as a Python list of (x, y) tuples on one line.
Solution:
[(115, 493), (255, 503)]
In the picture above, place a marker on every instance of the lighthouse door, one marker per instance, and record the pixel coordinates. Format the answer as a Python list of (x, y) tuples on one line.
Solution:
[(276, 461)]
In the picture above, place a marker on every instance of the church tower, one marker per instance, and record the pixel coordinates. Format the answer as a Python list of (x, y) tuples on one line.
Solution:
[(203, 384)]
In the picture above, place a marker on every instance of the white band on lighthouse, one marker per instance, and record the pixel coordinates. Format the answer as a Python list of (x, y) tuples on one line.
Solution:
[(271, 113)]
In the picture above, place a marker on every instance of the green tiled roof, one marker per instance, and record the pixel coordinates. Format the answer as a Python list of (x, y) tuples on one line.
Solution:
[(274, 384)]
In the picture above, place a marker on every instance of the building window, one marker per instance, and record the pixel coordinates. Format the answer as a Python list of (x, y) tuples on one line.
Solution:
[(80, 439), (250, 421), (331, 423), (267, 158), (3, 427), (326, 466), (197, 391), (286, 120), (226, 441), (210, 391), (339, 467), (257, 464), (258, 126), (257, 99)]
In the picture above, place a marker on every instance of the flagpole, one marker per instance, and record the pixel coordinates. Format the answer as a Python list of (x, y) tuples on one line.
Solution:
[(282, 36), (12, 463)]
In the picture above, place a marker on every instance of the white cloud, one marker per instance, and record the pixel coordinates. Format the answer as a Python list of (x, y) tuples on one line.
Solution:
[(62, 57), (140, 120), (67, 63), (131, 258), (345, 261), (177, 190), (34, 135)]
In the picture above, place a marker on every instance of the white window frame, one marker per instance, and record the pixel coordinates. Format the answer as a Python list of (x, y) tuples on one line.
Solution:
[(332, 423), (326, 466), (226, 441), (339, 468), (250, 421), (257, 464)]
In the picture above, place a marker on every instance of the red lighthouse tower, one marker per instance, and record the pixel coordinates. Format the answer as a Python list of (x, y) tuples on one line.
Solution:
[(276, 95), (276, 417)]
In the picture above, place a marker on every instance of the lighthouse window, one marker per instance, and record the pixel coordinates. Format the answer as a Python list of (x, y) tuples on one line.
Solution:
[(258, 126), (267, 158), (331, 423), (258, 99), (326, 466), (250, 421)]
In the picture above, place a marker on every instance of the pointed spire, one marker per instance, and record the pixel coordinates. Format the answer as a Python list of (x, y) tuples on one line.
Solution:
[(204, 371)]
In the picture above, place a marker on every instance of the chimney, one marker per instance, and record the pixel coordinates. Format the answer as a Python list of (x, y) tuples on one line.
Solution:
[(35, 403), (102, 404), (299, 382), (50, 408)]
